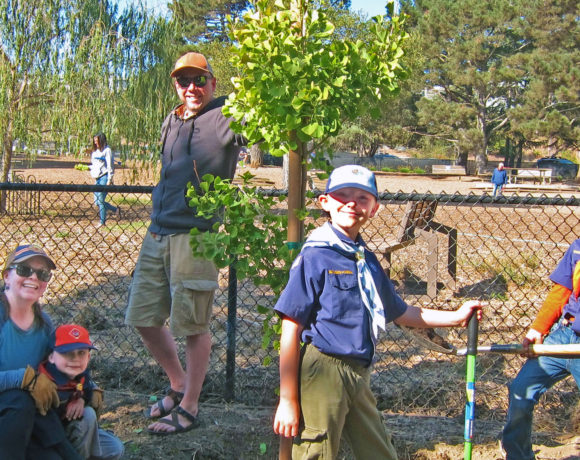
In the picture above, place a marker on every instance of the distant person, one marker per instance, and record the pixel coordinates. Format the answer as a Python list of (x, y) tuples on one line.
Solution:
[(81, 399), (499, 179), (557, 323), (336, 299), (169, 282), (102, 169)]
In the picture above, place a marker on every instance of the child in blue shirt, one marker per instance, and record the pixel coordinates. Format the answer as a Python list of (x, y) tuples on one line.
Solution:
[(336, 299), (556, 323)]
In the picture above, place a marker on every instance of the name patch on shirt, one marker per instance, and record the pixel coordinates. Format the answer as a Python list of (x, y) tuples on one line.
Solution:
[(340, 272)]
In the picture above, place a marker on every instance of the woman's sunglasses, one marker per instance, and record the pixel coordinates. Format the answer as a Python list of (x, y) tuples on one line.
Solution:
[(26, 272), (199, 81)]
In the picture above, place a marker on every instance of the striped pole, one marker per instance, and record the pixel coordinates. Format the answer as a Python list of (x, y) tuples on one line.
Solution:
[(470, 385)]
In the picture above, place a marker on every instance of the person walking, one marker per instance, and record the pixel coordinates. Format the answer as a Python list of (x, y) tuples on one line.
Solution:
[(168, 281), (102, 164), (499, 179)]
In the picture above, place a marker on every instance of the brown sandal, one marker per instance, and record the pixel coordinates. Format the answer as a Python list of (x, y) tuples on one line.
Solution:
[(176, 397)]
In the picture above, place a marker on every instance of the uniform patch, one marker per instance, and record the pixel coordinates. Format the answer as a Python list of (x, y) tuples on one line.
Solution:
[(340, 272)]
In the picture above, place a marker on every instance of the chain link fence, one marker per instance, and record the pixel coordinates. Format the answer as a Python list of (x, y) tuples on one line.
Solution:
[(440, 250)]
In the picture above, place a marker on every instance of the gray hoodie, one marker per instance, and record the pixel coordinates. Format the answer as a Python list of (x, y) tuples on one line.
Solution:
[(191, 148)]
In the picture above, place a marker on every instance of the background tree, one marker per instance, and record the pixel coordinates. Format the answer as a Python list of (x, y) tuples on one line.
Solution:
[(206, 21), (70, 69), (397, 115), (465, 77), (548, 113)]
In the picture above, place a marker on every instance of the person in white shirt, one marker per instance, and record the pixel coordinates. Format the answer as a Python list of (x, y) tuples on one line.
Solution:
[(102, 170)]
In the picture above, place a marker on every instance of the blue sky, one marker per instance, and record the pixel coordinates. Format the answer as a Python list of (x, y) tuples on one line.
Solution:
[(370, 7)]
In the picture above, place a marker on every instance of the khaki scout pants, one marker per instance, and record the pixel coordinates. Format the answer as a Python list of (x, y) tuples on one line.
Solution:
[(335, 396)]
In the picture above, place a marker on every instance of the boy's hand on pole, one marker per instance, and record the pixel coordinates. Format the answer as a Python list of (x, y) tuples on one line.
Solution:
[(471, 307)]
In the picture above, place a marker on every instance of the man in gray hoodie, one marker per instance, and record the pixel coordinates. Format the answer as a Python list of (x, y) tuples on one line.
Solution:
[(168, 282)]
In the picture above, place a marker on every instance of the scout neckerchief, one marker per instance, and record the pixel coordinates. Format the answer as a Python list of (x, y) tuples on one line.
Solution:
[(325, 237)]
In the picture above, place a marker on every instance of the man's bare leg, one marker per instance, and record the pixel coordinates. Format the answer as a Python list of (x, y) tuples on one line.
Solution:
[(197, 353), (163, 348)]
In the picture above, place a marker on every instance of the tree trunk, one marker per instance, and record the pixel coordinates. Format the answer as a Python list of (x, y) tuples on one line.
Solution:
[(552, 146), (256, 156), (519, 153), (296, 194), (462, 158), (509, 153), (6, 163)]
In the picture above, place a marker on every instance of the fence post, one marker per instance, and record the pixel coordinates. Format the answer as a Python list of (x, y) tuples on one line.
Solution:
[(230, 386)]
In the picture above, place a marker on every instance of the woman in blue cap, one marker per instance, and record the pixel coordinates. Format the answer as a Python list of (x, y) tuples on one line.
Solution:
[(29, 427)]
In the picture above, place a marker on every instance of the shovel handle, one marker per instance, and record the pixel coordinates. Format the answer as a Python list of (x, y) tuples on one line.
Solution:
[(285, 449), (563, 351)]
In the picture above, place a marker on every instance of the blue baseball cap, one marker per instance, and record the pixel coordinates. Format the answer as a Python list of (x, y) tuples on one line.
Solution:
[(352, 176), (25, 252)]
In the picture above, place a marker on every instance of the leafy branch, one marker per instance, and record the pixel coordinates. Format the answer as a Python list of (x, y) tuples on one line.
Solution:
[(250, 236)]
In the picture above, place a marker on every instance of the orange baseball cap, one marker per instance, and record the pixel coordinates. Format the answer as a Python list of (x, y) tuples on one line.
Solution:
[(192, 60)]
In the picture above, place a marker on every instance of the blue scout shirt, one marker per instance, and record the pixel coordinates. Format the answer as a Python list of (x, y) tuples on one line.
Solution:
[(567, 274), (323, 296)]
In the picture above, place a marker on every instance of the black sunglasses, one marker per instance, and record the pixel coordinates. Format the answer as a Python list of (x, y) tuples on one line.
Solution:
[(26, 272), (199, 81)]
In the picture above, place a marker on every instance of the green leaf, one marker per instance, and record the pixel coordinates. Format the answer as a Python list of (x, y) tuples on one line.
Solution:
[(339, 81), (314, 130)]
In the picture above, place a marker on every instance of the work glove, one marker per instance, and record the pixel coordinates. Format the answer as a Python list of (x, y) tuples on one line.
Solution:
[(97, 401), (41, 388)]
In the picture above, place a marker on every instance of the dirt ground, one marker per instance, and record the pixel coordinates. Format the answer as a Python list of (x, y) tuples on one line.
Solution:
[(236, 431)]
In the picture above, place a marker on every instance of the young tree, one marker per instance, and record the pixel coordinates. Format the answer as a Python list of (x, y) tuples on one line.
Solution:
[(299, 82)]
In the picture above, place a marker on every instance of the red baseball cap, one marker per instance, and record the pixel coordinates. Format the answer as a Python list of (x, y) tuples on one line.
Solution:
[(71, 337)]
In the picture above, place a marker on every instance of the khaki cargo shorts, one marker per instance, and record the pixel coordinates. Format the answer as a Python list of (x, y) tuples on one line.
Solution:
[(170, 283)]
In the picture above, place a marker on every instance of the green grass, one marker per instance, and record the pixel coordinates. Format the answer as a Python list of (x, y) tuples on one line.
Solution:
[(131, 201), (135, 226)]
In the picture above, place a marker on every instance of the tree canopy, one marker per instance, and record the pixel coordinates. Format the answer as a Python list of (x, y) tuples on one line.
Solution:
[(70, 69), (497, 69)]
